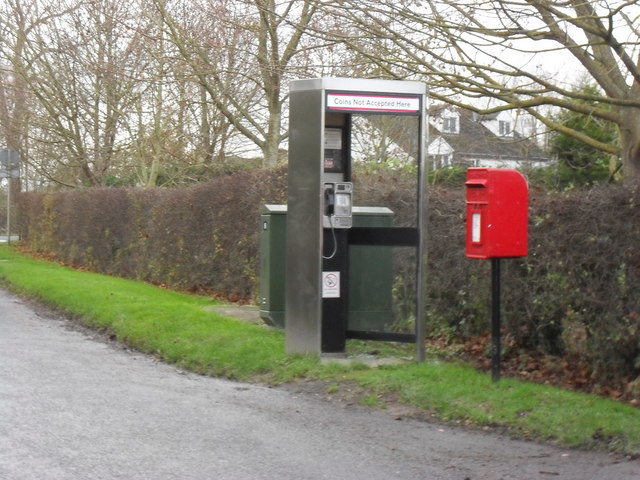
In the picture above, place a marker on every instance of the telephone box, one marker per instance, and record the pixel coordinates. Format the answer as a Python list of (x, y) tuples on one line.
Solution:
[(497, 213), (323, 242)]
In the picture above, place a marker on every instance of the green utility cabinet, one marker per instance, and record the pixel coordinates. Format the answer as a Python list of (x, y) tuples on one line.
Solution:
[(272, 262), (370, 272), (370, 275)]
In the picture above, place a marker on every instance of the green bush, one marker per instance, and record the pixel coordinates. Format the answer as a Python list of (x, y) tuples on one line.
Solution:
[(199, 238)]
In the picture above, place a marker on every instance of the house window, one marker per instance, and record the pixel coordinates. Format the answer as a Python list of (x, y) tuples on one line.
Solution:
[(440, 161), (450, 125), (504, 128)]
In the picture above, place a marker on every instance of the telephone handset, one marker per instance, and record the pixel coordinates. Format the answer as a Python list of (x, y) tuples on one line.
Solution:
[(329, 200), (338, 205)]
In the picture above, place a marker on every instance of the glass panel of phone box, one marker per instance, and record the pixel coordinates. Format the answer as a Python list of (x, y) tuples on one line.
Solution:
[(382, 282)]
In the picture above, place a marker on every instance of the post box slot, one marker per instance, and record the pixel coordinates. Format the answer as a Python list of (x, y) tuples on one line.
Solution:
[(476, 183), (477, 191)]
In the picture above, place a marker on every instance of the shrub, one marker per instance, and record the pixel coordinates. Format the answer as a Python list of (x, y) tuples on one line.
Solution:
[(199, 238)]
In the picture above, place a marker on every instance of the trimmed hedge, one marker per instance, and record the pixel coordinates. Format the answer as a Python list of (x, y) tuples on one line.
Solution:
[(200, 238), (575, 294)]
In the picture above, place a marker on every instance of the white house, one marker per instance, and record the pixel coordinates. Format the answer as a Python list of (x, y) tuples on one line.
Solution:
[(461, 137)]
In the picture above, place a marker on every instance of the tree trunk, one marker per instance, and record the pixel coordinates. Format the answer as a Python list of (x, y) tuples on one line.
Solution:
[(271, 143), (630, 144)]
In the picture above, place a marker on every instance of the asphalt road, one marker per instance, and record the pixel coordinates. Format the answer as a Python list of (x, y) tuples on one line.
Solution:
[(74, 407), (5, 238)]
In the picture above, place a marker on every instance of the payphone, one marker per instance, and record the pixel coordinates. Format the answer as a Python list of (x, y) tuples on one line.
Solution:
[(321, 195), (338, 205)]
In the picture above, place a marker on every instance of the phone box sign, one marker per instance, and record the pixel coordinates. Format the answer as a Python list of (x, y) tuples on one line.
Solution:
[(497, 213)]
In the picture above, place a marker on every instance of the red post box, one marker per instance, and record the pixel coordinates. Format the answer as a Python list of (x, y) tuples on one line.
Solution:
[(497, 213)]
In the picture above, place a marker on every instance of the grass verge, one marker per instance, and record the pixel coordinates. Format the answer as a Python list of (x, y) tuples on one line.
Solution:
[(177, 328)]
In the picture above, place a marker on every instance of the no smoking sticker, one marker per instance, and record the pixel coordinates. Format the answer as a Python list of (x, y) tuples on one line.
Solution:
[(330, 284)]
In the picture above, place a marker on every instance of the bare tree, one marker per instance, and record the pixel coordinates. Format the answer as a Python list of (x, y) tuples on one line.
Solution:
[(17, 20), (240, 52), (480, 49), (80, 63), (13, 106), (122, 91)]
